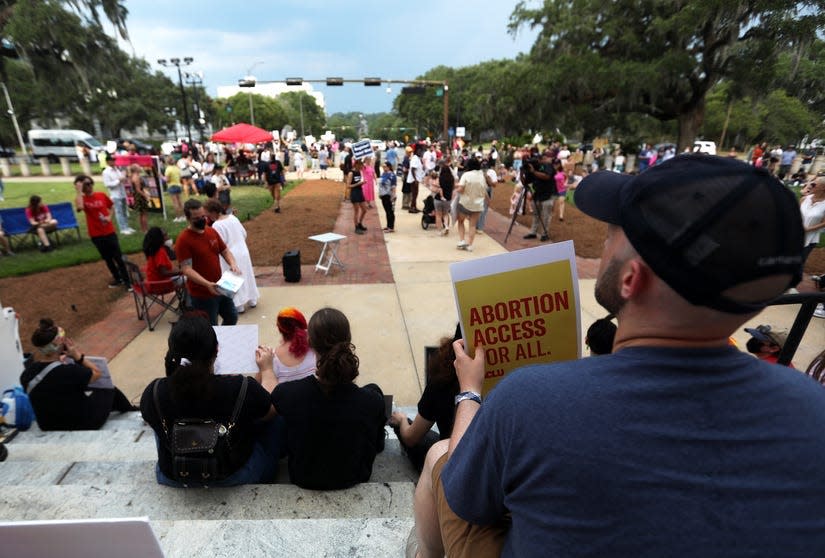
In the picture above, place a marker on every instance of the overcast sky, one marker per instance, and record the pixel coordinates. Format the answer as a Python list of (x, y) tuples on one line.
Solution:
[(314, 40)]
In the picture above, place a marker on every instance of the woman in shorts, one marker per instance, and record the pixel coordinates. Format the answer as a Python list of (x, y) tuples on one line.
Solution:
[(472, 190), (41, 221), (174, 188)]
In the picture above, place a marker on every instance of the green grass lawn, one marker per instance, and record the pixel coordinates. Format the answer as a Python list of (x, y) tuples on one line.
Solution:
[(249, 201)]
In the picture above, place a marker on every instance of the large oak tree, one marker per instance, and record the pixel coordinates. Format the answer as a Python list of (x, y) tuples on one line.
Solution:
[(661, 57)]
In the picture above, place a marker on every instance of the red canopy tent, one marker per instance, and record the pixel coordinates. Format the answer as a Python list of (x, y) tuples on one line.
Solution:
[(242, 133)]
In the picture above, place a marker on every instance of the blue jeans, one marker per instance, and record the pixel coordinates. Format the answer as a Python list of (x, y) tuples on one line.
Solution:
[(262, 465), (215, 306), (483, 217), (120, 213)]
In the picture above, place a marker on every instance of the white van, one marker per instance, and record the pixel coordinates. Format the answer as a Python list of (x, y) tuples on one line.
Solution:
[(700, 146), (63, 143)]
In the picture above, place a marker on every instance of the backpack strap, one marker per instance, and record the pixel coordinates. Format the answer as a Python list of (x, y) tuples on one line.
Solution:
[(43, 373), (238, 403), (157, 408)]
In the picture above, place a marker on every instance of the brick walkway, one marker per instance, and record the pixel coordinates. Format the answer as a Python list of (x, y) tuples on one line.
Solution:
[(365, 258)]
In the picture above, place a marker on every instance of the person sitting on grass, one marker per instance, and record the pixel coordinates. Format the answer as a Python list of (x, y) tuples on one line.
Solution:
[(41, 221), (67, 390)]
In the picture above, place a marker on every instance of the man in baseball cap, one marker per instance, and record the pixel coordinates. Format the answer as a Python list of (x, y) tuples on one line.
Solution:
[(676, 444)]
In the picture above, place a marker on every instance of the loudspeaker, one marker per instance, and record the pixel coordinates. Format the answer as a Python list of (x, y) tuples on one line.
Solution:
[(291, 262)]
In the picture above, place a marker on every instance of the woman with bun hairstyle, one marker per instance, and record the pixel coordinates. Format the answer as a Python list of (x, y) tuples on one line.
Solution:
[(192, 390), (293, 359), (334, 428), (61, 384)]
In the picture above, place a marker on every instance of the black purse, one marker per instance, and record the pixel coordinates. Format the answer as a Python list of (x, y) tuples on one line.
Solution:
[(201, 448)]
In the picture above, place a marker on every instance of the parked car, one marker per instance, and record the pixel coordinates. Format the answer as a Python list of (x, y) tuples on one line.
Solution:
[(7, 153), (54, 144), (702, 146), (142, 148)]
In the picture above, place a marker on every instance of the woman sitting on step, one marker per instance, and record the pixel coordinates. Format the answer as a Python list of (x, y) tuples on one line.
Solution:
[(193, 392), (436, 406), (293, 359), (67, 390), (334, 428)]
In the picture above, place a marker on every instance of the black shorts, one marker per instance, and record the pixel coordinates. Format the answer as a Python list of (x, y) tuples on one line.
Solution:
[(356, 194)]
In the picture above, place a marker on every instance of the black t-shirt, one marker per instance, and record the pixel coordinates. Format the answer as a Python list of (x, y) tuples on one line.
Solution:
[(544, 189), (219, 408), (63, 399), (332, 437), (437, 404), (446, 181)]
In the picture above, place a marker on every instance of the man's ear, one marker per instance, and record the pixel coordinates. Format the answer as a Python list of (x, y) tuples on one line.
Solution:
[(633, 278)]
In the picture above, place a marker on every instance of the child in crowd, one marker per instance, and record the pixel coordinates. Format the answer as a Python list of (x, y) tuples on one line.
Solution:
[(766, 342), (600, 336), (222, 186), (386, 192)]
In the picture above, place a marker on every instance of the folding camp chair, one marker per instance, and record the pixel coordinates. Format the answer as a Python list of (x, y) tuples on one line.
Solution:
[(166, 294)]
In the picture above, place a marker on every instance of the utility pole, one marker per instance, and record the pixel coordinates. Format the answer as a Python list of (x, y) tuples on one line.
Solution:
[(177, 63)]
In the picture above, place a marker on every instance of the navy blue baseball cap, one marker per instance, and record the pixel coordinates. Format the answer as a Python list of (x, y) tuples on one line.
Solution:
[(704, 225)]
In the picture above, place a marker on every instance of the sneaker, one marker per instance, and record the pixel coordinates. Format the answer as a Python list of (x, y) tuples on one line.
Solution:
[(358, 231), (115, 284), (363, 228), (277, 210), (461, 245), (529, 236), (48, 248), (443, 232), (820, 311), (127, 232), (478, 231), (240, 309), (544, 238), (469, 247)]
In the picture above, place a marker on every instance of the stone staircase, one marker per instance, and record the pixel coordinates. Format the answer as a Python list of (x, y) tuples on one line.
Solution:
[(110, 474)]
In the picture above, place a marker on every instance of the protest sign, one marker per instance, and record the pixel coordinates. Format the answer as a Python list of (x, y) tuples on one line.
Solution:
[(523, 307), (362, 149)]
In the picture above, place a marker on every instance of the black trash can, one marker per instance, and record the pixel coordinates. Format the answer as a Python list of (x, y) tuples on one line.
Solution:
[(291, 263)]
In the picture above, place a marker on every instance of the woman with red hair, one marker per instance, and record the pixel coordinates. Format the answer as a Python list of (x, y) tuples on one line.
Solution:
[(293, 360)]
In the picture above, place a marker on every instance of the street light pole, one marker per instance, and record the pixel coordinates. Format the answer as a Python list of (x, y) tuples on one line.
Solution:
[(195, 79), (13, 117), (252, 78), (177, 63)]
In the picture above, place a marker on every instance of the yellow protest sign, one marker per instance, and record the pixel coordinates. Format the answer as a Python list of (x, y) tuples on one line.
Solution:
[(523, 307)]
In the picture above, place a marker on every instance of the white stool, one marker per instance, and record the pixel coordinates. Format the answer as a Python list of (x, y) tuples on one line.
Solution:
[(329, 252)]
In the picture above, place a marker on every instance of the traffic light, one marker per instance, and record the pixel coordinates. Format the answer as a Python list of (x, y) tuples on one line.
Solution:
[(413, 90)]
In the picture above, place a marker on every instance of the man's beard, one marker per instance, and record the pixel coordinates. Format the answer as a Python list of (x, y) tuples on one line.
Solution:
[(607, 288)]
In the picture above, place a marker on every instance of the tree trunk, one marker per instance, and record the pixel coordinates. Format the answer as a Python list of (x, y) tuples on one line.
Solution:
[(689, 123)]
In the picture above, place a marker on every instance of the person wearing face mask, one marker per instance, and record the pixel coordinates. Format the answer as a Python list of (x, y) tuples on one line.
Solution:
[(199, 249), (67, 390)]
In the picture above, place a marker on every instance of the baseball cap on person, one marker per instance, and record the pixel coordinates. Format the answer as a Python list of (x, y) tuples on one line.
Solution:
[(704, 225), (768, 334)]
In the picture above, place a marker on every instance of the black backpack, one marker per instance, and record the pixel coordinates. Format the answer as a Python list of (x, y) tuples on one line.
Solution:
[(201, 448)]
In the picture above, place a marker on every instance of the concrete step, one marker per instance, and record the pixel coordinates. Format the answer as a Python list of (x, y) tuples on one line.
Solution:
[(389, 466), (294, 538), (249, 502)]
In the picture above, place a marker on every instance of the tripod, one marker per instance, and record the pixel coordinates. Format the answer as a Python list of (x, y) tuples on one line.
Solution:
[(520, 207)]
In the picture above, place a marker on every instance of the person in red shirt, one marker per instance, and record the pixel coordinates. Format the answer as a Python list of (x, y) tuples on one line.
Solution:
[(199, 248), (41, 221), (97, 207), (160, 273)]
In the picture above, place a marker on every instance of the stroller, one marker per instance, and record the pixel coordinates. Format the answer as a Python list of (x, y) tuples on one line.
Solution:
[(428, 212)]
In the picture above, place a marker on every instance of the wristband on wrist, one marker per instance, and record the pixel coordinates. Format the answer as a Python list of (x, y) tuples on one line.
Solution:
[(465, 395)]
